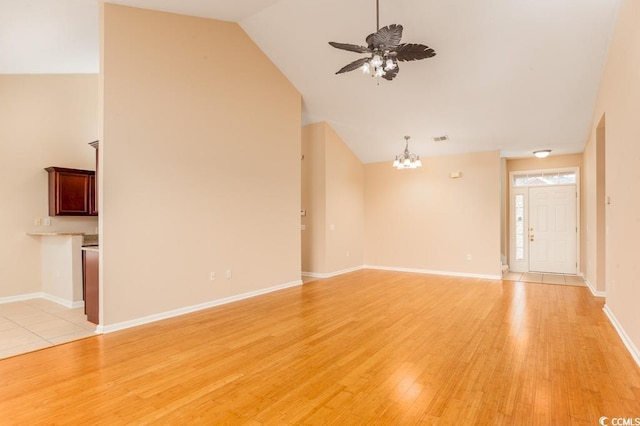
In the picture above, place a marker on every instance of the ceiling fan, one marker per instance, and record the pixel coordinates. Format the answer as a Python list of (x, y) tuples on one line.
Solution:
[(384, 51)]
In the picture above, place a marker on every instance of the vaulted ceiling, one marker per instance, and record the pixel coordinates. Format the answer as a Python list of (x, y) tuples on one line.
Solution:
[(513, 76)]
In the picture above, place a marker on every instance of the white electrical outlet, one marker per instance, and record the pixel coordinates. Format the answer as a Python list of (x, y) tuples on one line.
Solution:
[(212, 276), (468, 257), (347, 253), (229, 274), (47, 221)]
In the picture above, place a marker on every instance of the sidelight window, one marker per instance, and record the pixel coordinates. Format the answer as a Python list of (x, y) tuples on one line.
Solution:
[(519, 222)]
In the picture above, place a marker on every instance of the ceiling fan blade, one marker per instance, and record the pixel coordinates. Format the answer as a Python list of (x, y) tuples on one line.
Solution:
[(369, 41), (413, 52), (388, 37), (350, 47), (353, 65), (391, 74)]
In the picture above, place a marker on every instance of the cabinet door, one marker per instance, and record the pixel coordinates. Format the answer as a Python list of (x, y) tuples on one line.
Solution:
[(72, 193), (91, 285)]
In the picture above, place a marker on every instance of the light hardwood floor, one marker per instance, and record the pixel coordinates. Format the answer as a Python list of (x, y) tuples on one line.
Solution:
[(370, 347)]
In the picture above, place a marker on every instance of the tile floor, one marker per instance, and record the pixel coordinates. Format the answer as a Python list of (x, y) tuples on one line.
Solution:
[(533, 277), (39, 323)]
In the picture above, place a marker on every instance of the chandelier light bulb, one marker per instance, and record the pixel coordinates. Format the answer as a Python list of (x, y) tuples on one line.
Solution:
[(366, 68), (376, 61), (379, 72)]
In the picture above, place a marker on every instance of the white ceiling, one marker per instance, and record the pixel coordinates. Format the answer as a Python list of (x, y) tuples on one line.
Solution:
[(509, 75)]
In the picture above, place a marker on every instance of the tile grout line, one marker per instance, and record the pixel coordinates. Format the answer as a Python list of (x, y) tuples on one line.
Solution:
[(20, 326), (521, 275), (47, 341), (60, 318)]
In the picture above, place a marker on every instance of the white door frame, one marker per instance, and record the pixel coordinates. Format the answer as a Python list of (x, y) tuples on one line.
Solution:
[(523, 266)]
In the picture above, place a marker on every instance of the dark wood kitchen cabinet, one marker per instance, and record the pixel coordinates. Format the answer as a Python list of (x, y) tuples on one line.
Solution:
[(94, 209), (93, 196), (90, 285), (71, 192)]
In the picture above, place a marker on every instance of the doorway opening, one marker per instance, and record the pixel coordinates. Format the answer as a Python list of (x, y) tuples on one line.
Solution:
[(544, 224)]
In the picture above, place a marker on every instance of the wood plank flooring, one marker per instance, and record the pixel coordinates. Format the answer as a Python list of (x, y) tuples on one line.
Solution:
[(370, 347)]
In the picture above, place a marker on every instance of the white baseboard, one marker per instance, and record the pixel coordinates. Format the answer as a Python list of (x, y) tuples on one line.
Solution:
[(623, 335), (41, 295), (189, 309), (330, 274), (20, 297), (432, 272), (595, 292), (64, 302)]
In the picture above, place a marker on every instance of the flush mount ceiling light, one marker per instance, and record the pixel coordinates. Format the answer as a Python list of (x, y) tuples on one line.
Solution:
[(407, 160), (384, 50), (544, 153)]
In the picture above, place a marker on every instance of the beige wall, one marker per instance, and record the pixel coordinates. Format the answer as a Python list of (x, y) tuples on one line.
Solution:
[(200, 165), (333, 191), (594, 211), (45, 120), (589, 206), (504, 212), (619, 99), (423, 219), (551, 162), (313, 198), (345, 205)]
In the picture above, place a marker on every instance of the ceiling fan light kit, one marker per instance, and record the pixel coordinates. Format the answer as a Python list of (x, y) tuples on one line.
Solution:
[(384, 51)]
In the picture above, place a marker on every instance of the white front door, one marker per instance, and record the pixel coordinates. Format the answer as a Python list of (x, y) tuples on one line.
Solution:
[(552, 229)]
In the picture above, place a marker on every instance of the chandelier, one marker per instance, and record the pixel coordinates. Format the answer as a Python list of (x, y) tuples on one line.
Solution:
[(407, 160)]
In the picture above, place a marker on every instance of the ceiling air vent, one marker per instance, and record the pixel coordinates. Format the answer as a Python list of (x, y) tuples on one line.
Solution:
[(441, 138)]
